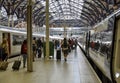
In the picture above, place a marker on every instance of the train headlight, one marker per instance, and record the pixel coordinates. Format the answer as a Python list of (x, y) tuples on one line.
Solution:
[(117, 75)]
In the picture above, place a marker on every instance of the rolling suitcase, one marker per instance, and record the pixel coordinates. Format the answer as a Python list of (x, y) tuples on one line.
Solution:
[(39, 52), (3, 65), (58, 55), (16, 64)]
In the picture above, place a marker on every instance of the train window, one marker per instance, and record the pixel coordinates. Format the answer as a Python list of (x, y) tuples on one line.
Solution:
[(18, 39)]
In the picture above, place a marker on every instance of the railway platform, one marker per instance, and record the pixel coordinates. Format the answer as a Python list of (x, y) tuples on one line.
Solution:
[(76, 70)]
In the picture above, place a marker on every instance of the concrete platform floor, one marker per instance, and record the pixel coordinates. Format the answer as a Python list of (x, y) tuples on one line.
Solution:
[(75, 70)]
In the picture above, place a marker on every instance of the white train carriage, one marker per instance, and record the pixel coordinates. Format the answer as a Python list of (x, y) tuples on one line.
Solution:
[(15, 38), (103, 48)]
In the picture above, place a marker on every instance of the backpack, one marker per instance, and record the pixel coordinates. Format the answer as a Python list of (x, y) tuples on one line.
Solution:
[(65, 44), (24, 49)]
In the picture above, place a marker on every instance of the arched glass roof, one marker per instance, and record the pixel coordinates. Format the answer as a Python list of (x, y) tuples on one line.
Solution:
[(66, 9), (73, 13)]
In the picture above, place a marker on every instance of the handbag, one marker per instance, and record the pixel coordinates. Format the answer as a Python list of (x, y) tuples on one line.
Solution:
[(3, 65), (65, 48)]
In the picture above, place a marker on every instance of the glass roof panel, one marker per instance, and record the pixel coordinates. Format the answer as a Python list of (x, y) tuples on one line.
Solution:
[(60, 10), (65, 9), (3, 12)]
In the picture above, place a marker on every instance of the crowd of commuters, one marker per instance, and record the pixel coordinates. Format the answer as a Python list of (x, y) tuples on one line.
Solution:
[(66, 45), (37, 44), (36, 49)]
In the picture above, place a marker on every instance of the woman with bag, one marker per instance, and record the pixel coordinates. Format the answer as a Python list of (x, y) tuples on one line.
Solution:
[(4, 49), (65, 46)]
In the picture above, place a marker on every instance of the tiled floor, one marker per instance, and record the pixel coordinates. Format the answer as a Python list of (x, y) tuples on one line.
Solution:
[(75, 70)]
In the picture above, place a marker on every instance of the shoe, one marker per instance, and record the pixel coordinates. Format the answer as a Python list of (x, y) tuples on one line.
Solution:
[(23, 66)]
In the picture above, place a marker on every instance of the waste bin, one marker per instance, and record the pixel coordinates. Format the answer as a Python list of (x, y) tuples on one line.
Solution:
[(51, 49)]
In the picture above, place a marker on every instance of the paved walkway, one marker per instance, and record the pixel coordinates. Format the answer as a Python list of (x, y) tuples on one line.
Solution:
[(75, 70)]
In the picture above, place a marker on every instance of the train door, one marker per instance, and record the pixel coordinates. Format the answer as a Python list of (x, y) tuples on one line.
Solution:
[(116, 52), (7, 36)]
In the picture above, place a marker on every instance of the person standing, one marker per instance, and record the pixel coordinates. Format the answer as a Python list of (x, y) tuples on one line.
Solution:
[(5, 50), (39, 47), (34, 48), (24, 52)]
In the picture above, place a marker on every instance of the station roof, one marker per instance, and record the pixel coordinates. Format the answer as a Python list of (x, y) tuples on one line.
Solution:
[(71, 13)]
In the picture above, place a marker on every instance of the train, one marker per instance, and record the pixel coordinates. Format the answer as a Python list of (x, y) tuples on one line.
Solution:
[(16, 36), (101, 46)]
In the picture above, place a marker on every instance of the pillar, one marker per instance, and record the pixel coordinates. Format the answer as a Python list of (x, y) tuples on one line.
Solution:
[(47, 29), (29, 37)]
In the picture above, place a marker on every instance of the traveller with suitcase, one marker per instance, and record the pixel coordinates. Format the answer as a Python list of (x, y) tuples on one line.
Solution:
[(17, 63), (4, 52), (24, 52)]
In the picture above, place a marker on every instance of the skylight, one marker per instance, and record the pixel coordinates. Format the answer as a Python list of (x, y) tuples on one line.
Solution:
[(65, 9)]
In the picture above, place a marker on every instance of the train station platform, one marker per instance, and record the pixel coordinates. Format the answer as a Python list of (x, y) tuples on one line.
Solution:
[(75, 70)]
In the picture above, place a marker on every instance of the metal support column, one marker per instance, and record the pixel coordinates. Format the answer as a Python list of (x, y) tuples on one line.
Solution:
[(47, 29), (29, 37), (8, 20), (12, 21)]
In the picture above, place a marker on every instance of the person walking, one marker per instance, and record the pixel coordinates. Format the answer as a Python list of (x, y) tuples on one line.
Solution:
[(64, 46), (39, 47), (24, 52)]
